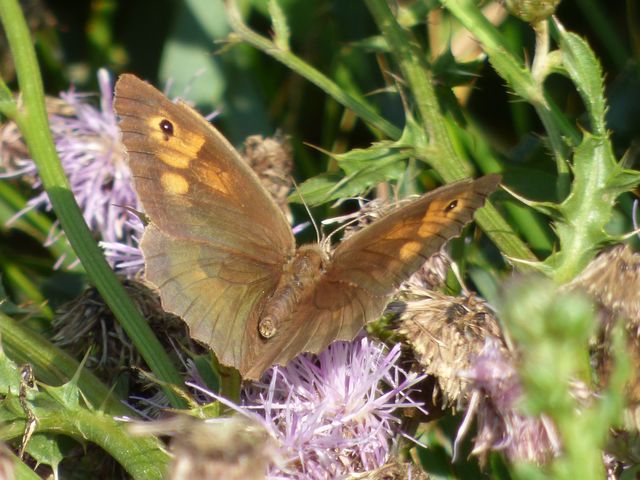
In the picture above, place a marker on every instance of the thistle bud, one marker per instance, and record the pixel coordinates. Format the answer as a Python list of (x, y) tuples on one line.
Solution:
[(532, 11)]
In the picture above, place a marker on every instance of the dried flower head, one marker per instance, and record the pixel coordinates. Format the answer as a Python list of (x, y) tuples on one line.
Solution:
[(333, 414), (432, 274), (369, 212), (87, 324), (612, 279), (272, 160), (234, 448), (494, 391), (446, 334)]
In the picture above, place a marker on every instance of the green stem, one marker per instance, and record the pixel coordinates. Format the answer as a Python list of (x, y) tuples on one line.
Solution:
[(358, 105), (142, 457), (411, 59), (539, 64), (523, 82), (440, 152), (32, 120), (539, 72)]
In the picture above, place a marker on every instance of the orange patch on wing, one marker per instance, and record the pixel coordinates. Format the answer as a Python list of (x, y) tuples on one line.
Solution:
[(409, 250), (427, 228), (219, 180), (181, 148), (434, 216), (174, 183), (400, 231)]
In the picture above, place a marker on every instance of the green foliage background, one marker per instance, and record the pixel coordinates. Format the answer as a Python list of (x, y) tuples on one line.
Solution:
[(558, 142)]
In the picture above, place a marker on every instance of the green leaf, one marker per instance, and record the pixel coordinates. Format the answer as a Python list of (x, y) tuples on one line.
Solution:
[(624, 181), (451, 73), (67, 395), (364, 169), (189, 51), (588, 208), (316, 190), (48, 449), (375, 157), (585, 71), (9, 375)]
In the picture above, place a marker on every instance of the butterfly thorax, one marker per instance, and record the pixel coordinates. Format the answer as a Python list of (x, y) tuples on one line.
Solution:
[(298, 280)]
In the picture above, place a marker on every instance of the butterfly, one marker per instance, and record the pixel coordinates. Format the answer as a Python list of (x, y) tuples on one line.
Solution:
[(223, 256)]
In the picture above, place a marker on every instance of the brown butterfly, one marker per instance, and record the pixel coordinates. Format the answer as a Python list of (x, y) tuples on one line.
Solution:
[(225, 260)]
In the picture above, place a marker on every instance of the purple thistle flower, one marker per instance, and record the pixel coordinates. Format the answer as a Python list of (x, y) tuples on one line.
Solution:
[(126, 257), (495, 392), (333, 414), (92, 155)]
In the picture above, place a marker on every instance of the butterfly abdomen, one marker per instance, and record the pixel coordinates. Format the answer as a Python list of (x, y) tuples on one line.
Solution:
[(298, 279)]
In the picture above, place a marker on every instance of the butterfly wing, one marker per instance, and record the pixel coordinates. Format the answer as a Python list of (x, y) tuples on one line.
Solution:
[(216, 242), (368, 267)]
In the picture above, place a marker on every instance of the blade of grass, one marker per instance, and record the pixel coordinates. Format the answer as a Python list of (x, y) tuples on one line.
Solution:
[(33, 123)]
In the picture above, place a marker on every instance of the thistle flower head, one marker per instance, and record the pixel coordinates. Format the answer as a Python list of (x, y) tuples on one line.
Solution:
[(87, 324), (496, 391), (87, 139), (333, 414), (125, 256), (271, 158), (445, 334)]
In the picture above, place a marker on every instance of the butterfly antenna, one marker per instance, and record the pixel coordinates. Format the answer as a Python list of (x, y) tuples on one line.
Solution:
[(342, 227), (306, 207), (356, 219)]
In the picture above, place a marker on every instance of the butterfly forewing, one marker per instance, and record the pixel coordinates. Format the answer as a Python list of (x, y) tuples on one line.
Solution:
[(190, 180), (216, 242), (378, 258)]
